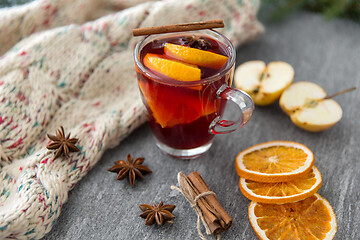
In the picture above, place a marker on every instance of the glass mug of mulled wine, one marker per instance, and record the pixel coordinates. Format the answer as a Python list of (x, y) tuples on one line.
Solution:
[(184, 80)]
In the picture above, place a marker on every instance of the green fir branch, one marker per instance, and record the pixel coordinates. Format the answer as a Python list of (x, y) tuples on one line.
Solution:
[(277, 10)]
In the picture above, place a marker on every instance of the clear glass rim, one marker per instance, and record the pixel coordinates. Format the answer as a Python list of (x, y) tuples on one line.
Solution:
[(212, 78)]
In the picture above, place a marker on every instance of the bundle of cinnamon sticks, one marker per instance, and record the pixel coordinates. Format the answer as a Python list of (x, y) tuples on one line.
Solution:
[(214, 215)]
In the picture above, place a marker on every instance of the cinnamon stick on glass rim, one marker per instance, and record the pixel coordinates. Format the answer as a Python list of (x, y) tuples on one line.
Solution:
[(182, 27)]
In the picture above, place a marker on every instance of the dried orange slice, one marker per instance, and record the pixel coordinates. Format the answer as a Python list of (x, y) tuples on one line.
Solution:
[(310, 219), (282, 192), (173, 69), (276, 161), (195, 56)]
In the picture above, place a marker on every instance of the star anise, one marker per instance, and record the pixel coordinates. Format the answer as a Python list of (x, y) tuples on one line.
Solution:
[(63, 144), (133, 168), (159, 214), (196, 42)]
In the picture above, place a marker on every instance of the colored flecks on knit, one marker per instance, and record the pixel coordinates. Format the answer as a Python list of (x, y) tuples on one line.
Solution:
[(53, 212), (42, 62), (122, 21), (20, 187), (46, 192), (31, 150), (25, 73), (20, 96), (90, 126), (46, 22), (15, 144), (7, 177), (6, 193), (45, 160), (4, 227), (104, 25), (30, 232), (23, 53), (29, 185), (80, 147), (73, 168), (202, 13), (86, 27), (50, 106), (61, 85), (237, 16), (100, 146), (8, 123)]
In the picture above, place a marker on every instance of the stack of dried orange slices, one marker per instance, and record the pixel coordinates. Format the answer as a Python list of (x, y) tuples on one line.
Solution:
[(281, 180)]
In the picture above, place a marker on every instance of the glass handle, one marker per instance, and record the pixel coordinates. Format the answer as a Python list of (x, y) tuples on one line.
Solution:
[(245, 104)]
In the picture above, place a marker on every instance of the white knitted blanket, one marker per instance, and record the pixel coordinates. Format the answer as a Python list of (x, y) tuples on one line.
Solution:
[(58, 69)]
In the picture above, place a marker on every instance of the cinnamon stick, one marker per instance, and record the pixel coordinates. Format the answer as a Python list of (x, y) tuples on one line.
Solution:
[(183, 27), (209, 217), (211, 208)]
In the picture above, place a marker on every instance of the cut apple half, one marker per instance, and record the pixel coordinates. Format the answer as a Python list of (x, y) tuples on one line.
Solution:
[(298, 94), (308, 108), (264, 83)]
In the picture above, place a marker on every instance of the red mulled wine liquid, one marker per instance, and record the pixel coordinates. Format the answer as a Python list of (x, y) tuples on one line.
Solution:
[(180, 114)]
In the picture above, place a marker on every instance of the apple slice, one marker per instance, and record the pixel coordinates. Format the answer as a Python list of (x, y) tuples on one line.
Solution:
[(264, 83), (308, 107), (195, 56)]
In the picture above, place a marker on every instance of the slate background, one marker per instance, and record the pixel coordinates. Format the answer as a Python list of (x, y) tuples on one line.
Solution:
[(327, 53)]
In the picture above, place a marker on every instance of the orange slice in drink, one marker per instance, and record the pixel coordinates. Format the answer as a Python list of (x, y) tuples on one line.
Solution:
[(276, 161), (172, 69), (169, 107), (283, 192), (154, 102), (312, 219), (195, 56)]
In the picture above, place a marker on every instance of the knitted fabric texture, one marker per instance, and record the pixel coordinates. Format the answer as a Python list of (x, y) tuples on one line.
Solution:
[(81, 76)]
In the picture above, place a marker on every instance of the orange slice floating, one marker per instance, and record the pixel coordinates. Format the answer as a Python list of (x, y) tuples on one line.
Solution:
[(170, 107), (310, 219), (173, 69), (195, 56), (283, 192), (276, 161)]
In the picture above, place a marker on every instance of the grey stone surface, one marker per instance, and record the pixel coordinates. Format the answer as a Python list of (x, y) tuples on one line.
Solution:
[(327, 53)]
